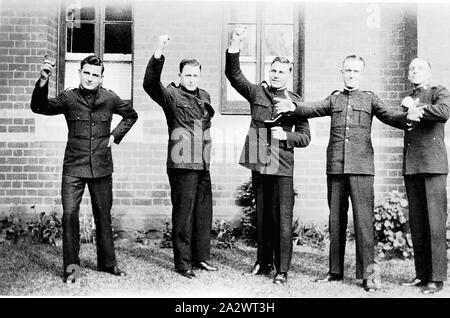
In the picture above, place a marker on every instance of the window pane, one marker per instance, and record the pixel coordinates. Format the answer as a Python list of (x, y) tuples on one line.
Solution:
[(80, 38), (249, 70), (278, 12), (118, 38), (117, 77), (80, 10), (248, 46), (118, 10), (279, 40)]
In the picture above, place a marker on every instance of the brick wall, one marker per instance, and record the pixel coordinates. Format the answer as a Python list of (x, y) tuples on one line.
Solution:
[(30, 165), (28, 173)]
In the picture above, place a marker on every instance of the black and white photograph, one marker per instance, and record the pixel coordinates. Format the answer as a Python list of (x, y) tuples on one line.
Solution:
[(242, 151)]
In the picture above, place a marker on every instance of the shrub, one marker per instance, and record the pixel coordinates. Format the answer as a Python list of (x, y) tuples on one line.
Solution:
[(391, 227), (246, 199), (166, 241), (12, 228), (224, 233), (45, 228), (310, 235)]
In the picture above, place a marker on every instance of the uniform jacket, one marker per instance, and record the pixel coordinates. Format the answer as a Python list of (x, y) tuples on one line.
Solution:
[(350, 148), (88, 116), (188, 119), (261, 153), (424, 145)]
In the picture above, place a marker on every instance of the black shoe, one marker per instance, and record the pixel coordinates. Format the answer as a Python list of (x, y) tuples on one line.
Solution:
[(432, 288), (369, 285), (331, 277), (415, 282), (259, 269), (280, 278), (189, 273), (205, 266), (113, 270)]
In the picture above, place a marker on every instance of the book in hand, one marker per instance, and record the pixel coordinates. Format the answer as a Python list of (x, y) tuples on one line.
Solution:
[(269, 123)]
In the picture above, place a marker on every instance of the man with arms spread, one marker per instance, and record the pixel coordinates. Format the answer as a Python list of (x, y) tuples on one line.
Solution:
[(350, 165)]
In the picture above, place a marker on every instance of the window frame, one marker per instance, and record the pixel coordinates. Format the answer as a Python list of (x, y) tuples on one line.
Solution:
[(99, 41), (242, 107)]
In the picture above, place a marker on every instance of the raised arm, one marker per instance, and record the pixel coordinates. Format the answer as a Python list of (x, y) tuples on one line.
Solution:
[(233, 70), (152, 79), (40, 103)]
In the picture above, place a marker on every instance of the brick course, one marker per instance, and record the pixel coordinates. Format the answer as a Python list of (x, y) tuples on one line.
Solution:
[(30, 169)]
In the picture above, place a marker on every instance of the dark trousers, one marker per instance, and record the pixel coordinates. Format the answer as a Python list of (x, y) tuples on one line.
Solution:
[(191, 196), (274, 207), (427, 197), (100, 189), (360, 189)]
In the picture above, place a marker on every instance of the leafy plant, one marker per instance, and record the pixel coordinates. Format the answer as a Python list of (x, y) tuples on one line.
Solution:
[(12, 228), (166, 241), (45, 228), (310, 234), (391, 227), (224, 233), (246, 199)]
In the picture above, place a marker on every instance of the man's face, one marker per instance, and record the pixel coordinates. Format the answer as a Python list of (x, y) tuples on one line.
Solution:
[(91, 76), (190, 77), (419, 72), (352, 71), (280, 74)]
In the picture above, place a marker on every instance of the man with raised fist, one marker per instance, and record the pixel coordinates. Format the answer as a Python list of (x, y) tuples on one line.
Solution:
[(188, 114), (88, 111), (269, 154)]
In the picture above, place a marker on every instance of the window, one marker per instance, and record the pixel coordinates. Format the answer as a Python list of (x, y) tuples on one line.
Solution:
[(273, 29), (97, 27)]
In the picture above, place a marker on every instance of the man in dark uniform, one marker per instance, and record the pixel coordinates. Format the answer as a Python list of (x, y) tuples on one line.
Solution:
[(270, 156), (88, 160), (425, 168), (188, 114), (350, 165)]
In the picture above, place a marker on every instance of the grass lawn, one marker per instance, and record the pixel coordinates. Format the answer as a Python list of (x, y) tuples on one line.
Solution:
[(28, 269)]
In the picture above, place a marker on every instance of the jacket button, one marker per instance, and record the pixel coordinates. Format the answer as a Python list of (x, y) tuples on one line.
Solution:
[(92, 152), (92, 138), (78, 117), (346, 128), (93, 124), (346, 140)]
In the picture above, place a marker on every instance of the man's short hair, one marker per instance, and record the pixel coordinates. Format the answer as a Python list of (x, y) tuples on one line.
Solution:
[(354, 57), (191, 62), (92, 60), (281, 59)]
